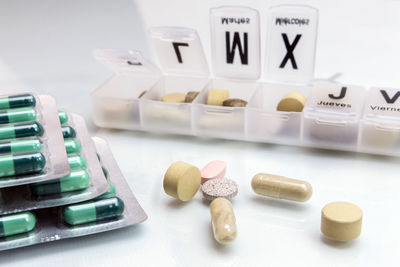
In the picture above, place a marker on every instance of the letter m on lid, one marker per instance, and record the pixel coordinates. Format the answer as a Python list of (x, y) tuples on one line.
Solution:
[(235, 41)]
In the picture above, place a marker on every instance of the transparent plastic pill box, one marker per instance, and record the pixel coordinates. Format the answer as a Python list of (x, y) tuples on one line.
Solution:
[(335, 116)]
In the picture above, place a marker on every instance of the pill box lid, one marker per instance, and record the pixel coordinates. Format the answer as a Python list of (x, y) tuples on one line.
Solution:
[(324, 109), (179, 51), (232, 71), (130, 62), (382, 107)]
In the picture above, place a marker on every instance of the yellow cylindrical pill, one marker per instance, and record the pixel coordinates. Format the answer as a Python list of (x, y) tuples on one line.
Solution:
[(341, 221), (217, 96), (281, 187), (182, 181), (223, 221), (292, 102), (174, 98)]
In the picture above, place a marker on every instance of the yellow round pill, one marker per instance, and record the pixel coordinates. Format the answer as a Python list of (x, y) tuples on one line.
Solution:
[(182, 181), (174, 97), (292, 102), (217, 96), (341, 221)]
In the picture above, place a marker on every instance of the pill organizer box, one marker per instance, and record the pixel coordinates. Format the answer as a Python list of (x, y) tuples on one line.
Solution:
[(336, 116)]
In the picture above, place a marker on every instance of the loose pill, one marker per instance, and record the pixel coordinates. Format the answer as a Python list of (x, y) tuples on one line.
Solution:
[(20, 130), (17, 115), (281, 187), (30, 145), (68, 132), (292, 102), (217, 96), (63, 117), (182, 181), (16, 223), (190, 96), (78, 179), (17, 101), (223, 221), (93, 211), (341, 221), (234, 102), (77, 162), (214, 169), (222, 187), (18, 164), (72, 146), (174, 97)]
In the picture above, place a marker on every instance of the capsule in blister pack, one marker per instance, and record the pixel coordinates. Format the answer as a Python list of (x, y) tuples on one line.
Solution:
[(117, 208), (85, 181), (31, 147)]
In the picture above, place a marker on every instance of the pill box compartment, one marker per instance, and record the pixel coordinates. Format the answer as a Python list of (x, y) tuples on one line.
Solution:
[(115, 104), (331, 116), (380, 123), (265, 123), (221, 121), (169, 117)]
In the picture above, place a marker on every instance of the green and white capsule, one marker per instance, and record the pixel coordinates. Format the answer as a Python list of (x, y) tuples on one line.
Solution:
[(77, 162), (68, 132), (29, 145), (63, 116), (11, 165), (17, 223), (78, 179), (17, 101), (26, 129), (72, 146), (93, 211), (17, 115)]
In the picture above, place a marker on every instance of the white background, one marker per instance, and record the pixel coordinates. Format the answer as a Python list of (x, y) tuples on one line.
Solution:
[(46, 47)]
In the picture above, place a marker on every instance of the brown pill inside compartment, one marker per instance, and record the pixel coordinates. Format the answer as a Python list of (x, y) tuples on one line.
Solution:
[(234, 102), (190, 96)]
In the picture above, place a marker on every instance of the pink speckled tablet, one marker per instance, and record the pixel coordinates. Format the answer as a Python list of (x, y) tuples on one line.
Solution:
[(214, 169)]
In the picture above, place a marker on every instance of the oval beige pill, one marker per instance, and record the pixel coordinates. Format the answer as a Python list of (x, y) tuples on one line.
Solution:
[(292, 102), (223, 221), (281, 187), (174, 98), (182, 181), (190, 96), (341, 221), (217, 96), (234, 102)]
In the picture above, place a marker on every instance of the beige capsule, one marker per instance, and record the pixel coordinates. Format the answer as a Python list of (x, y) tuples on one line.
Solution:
[(223, 221), (281, 187)]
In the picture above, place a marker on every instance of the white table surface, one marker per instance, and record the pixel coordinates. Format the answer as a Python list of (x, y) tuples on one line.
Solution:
[(46, 47)]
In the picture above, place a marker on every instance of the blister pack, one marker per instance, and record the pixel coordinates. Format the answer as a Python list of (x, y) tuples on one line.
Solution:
[(31, 142), (85, 181), (108, 212)]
